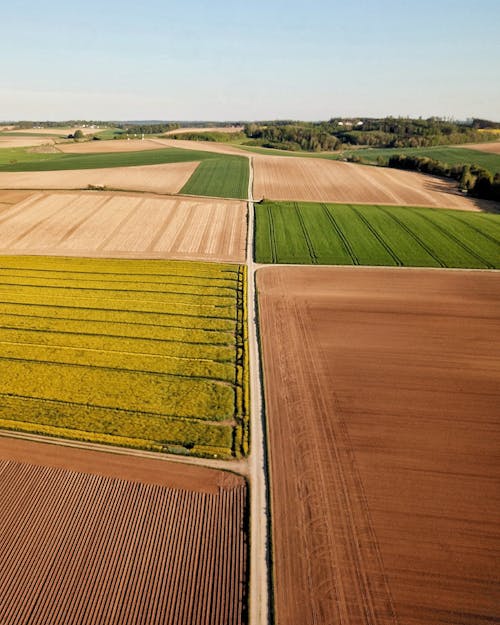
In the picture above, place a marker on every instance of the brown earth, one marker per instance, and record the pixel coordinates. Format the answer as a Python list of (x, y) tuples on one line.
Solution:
[(55, 131), (168, 178), (321, 180), (124, 225), (91, 537), (23, 142), (492, 148), (382, 394), (203, 146), (121, 145)]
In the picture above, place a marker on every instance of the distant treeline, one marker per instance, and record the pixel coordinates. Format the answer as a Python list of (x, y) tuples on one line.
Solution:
[(219, 136), (477, 181), (70, 123), (147, 129), (388, 132)]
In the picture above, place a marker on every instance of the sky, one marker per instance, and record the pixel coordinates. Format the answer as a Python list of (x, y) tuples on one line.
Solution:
[(236, 60)]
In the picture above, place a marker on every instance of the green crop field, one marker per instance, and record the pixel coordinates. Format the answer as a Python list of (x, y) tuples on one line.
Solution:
[(450, 155), (220, 177), (147, 354), (217, 175), (341, 234)]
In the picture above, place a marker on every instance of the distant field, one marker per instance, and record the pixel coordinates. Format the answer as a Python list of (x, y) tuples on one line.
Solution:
[(147, 354), (450, 155), (220, 177), (225, 176), (346, 234)]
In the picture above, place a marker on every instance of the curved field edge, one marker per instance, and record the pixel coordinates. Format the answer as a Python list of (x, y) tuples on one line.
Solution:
[(98, 366), (350, 234)]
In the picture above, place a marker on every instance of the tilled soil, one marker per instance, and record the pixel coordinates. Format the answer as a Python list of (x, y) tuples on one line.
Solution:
[(382, 394)]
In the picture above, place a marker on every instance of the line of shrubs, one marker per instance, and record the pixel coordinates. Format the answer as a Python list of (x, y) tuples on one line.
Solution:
[(475, 180)]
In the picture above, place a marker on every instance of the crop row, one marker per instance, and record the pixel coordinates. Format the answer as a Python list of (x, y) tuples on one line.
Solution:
[(142, 366), (289, 232)]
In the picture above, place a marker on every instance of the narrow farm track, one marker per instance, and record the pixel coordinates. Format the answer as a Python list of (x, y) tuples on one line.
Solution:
[(260, 573)]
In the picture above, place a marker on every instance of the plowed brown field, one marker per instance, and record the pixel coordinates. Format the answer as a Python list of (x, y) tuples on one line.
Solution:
[(202, 146), (321, 180), (382, 394), (120, 225), (23, 142), (169, 178), (95, 147), (492, 148), (94, 547)]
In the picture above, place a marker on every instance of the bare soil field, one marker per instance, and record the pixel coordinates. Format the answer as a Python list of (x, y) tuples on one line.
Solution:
[(382, 397), (92, 537), (321, 180), (23, 142), (121, 225), (491, 148), (180, 131), (203, 146), (56, 131), (120, 145), (168, 178)]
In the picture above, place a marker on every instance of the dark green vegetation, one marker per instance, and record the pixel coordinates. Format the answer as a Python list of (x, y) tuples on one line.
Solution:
[(218, 175), (148, 354), (449, 155), (387, 132), (338, 234), (215, 137)]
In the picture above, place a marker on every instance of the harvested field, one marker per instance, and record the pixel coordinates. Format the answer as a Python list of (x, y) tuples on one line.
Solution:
[(320, 180), (23, 142), (126, 226), (349, 234), (491, 148), (168, 178), (145, 354), (382, 398), (106, 547), (108, 147), (202, 146), (63, 132)]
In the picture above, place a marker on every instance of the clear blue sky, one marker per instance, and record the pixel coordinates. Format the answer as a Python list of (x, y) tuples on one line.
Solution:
[(231, 60)]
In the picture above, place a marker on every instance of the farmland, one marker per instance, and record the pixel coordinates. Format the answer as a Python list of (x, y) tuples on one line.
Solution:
[(123, 225), (347, 234), (320, 180), (225, 176), (382, 395), (89, 537), (147, 354), (451, 155)]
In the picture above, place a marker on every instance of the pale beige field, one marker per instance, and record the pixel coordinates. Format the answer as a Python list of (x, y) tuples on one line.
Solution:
[(491, 148), (56, 131), (121, 145), (23, 142), (168, 178), (183, 131), (124, 225), (320, 180), (203, 146)]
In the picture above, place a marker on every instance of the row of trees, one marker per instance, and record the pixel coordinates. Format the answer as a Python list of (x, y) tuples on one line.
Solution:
[(477, 181)]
